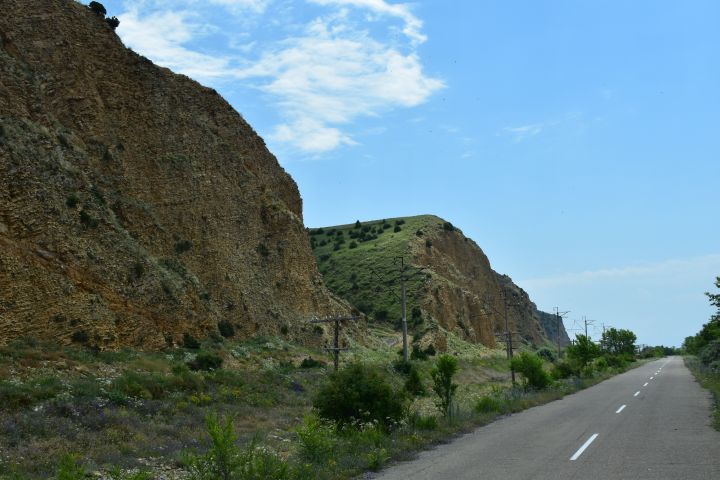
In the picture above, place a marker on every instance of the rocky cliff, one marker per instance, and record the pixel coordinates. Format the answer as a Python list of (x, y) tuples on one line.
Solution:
[(450, 283), (135, 204)]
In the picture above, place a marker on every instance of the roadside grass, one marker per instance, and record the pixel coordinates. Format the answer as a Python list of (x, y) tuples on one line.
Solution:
[(709, 379), (133, 409)]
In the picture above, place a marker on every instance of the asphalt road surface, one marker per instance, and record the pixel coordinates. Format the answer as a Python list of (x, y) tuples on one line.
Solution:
[(652, 422)]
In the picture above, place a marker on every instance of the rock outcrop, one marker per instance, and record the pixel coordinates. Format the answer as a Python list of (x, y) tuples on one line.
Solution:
[(457, 290), (135, 204)]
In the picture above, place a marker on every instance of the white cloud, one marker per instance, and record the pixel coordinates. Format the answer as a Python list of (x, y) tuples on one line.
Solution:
[(320, 80), (162, 37), (524, 132), (413, 25)]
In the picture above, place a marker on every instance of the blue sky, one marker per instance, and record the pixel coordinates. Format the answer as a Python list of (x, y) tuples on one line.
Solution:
[(576, 141)]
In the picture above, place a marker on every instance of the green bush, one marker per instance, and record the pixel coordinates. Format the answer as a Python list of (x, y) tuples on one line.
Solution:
[(190, 342), (206, 361), (443, 386), (97, 8), (583, 351), (488, 404), (311, 363), (448, 226), (353, 244), (414, 385), (600, 364), (318, 440), (417, 354), (546, 354), (224, 461), (226, 328), (397, 228), (360, 392), (710, 353), (70, 468), (563, 369), (530, 366), (422, 422), (428, 243)]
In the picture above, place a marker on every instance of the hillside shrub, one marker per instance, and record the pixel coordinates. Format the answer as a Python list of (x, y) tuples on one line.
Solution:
[(397, 228), (97, 8), (530, 366), (70, 468), (353, 244), (428, 243), (226, 329), (80, 336), (583, 350), (546, 354), (414, 384), (190, 342), (310, 362), (563, 369), (600, 364), (72, 201), (206, 361), (443, 386), (183, 246), (417, 354), (447, 226), (419, 233), (360, 392), (318, 440)]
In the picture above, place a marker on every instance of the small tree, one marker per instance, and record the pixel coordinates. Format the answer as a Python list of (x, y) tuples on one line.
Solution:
[(583, 351), (618, 342), (97, 8), (113, 22), (530, 366), (443, 386)]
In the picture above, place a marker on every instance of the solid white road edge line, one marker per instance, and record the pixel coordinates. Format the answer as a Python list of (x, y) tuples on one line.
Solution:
[(637, 393), (621, 409), (582, 449)]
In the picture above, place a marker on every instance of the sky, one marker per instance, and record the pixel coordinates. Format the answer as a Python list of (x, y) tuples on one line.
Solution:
[(577, 142)]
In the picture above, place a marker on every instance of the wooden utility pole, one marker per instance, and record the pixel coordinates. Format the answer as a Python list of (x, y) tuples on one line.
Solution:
[(336, 337), (507, 334), (559, 316)]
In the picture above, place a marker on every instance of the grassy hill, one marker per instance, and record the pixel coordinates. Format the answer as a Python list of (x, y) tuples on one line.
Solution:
[(360, 262)]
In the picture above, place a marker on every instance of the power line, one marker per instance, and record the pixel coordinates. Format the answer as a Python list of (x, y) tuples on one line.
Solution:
[(336, 340)]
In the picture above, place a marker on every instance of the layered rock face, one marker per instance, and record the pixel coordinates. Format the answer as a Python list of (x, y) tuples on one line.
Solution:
[(467, 296), (135, 204)]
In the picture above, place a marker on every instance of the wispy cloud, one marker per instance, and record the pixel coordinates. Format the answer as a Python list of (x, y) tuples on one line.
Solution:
[(524, 132), (672, 268), (320, 78)]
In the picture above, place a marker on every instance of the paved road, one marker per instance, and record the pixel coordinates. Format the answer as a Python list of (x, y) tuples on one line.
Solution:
[(663, 432)]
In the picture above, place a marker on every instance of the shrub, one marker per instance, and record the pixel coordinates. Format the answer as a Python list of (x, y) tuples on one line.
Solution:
[(414, 385), (419, 233), (400, 222), (310, 362), (359, 392), (422, 422), (263, 250), (397, 228), (381, 314), (430, 350), (317, 440), (448, 226), (70, 468), (546, 354), (530, 366), (183, 246), (224, 461), (353, 244), (563, 370), (81, 336), (600, 364), (97, 8), (324, 257), (417, 354), (488, 404), (583, 350), (401, 366), (710, 353), (206, 361), (72, 201), (428, 243), (358, 224), (226, 329), (443, 386), (190, 342), (87, 220)]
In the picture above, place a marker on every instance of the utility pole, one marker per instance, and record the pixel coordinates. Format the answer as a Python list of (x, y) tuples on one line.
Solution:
[(403, 304), (403, 277), (559, 316), (587, 322), (489, 300), (335, 349)]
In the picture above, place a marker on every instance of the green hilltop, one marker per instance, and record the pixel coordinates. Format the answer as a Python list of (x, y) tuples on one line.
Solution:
[(360, 263)]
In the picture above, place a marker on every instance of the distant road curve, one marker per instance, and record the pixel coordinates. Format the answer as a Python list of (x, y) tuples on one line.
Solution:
[(649, 423)]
